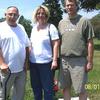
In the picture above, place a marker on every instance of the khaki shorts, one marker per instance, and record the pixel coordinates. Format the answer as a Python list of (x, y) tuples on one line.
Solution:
[(73, 73)]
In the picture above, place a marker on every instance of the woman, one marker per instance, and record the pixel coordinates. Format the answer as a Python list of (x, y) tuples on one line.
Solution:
[(44, 52)]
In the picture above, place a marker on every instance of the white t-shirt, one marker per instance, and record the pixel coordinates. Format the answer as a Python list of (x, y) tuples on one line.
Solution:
[(13, 41), (41, 46)]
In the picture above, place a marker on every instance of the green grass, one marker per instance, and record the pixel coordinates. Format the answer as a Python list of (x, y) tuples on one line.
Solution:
[(94, 75), (93, 86)]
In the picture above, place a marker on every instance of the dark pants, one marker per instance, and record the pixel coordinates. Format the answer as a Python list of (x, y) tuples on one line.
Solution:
[(42, 80)]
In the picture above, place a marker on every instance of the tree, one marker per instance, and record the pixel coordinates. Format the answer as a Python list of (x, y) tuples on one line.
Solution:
[(2, 19), (88, 4), (98, 6), (55, 11), (96, 25), (27, 24)]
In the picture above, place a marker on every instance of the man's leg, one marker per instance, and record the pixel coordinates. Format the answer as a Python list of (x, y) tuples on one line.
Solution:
[(78, 73), (65, 79), (83, 96), (19, 86), (5, 85), (67, 94)]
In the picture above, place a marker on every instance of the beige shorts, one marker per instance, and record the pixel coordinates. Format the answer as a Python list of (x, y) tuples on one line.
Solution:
[(72, 73)]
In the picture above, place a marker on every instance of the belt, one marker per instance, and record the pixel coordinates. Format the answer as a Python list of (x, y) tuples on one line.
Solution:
[(72, 56)]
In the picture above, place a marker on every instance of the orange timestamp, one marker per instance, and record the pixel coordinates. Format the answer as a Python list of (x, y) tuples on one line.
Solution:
[(92, 86)]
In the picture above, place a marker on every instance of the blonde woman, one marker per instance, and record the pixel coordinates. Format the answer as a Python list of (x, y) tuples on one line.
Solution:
[(44, 53)]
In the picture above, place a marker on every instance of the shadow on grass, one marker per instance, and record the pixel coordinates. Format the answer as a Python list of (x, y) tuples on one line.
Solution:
[(97, 47)]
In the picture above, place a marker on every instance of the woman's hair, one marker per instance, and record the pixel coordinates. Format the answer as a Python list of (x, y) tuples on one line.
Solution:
[(47, 12)]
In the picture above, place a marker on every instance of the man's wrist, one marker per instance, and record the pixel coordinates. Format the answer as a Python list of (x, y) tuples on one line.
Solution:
[(90, 61)]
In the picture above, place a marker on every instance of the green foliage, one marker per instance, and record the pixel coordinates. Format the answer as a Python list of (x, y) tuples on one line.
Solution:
[(27, 24), (96, 25), (98, 6), (94, 79), (88, 4), (55, 11), (62, 1), (2, 19), (28, 91)]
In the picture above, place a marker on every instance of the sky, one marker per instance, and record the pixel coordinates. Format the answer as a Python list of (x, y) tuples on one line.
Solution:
[(26, 8)]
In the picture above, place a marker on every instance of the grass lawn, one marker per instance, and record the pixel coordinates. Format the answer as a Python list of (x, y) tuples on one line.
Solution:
[(93, 86), (94, 75)]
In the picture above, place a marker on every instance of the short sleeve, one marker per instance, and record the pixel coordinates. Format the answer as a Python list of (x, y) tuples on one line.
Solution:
[(54, 32), (89, 32)]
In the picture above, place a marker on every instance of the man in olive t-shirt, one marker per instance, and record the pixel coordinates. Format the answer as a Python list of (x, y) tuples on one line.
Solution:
[(76, 51)]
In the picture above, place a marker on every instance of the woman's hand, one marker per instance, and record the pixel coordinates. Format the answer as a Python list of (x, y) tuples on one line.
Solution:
[(54, 64)]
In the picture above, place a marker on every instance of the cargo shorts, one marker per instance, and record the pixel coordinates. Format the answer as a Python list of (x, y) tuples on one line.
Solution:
[(72, 73)]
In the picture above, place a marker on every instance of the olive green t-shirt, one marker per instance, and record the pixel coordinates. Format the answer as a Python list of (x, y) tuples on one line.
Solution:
[(75, 34)]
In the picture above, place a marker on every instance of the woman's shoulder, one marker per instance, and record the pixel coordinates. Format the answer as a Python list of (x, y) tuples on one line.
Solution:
[(52, 26)]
